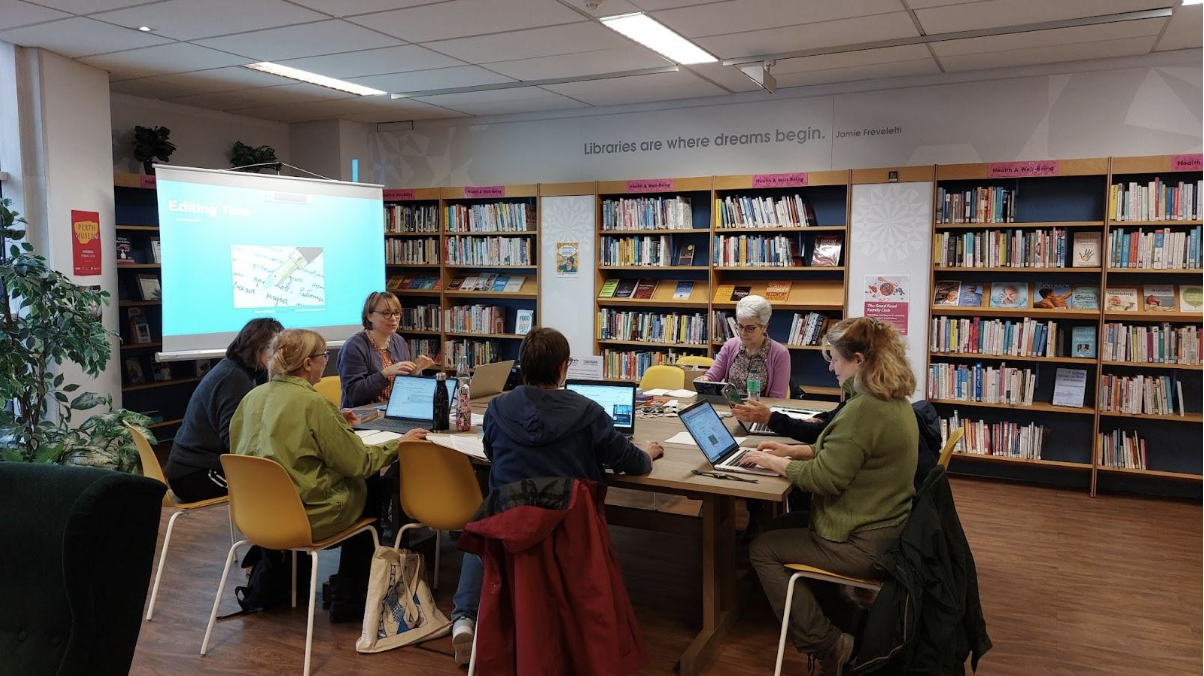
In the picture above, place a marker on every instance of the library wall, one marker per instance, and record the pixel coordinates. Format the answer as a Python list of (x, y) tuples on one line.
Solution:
[(567, 302)]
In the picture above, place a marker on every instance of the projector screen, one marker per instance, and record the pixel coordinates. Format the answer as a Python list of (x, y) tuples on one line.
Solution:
[(238, 246)]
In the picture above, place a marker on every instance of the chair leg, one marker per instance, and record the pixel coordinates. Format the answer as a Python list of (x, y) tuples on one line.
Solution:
[(171, 524), (294, 588), (435, 571), (313, 586), (777, 670), (230, 514), (221, 589), (472, 657)]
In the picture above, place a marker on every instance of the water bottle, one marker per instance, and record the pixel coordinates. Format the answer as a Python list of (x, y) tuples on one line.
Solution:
[(441, 423), (754, 389), (463, 396)]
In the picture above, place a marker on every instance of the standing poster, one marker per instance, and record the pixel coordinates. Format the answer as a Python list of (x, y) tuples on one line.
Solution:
[(85, 242), (567, 263), (886, 299)]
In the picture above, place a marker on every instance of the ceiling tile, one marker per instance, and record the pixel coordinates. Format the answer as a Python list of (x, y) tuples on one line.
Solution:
[(548, 101), (866, 57), (737, 16), (1051, 54), (653, 5), (997, 13), (460, 18), (374, 62), (294, 93), (176, 57), (15, 13), (589, 63), (811, 36), (351, 7), (215, 101), (153, 88), (225, 79), (889, 69), (77, 36), (89, 6), (486, 96), (613, 7), (442, 78), (1049, 38), (189, 20), (321, 110), (638, 89), (291, 42), (728, 77), (1184, 30), (549, 41)]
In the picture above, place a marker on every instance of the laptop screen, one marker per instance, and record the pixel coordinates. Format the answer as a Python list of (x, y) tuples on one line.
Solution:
[(414, 397), (616, 399), (703, 423)]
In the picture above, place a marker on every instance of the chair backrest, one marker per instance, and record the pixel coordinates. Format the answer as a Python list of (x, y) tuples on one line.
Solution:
[(663, 377), (264, 503), (947, 451), (150, 463), (438, 485), (332, 389), (694, 360)]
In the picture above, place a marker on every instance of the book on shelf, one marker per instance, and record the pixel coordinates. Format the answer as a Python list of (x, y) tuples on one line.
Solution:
[(133, 371), (947, 292), (455, 283), (1157, 344), (723, 292), (160, 372), (1053, 296), (739, 292), (1070, 387), (490, 251), (978, 383), (407, 218), (1140, 394), (608, 288), (496, 217), (684, 291), (826, 252), (761, 251), (645, 287), (657, 327), (1191, 298), (430, 283), (1001, 248), (1121, 299), (156, 251), (751, 211), (647, 213), (1182, 406), (125, 250), (1085, 253), (1160, 249), (1009, 294), (971, 295), (1027, 337), (685, 255), (1158, 298), (807, 329), (500, 282), (1084, 297), (1155, 200), (650, 250), (514, 284), (625, 288), (778, 292), (1006, 439), (1082, 338), (523, 321), (1122, 450), (139, 327)]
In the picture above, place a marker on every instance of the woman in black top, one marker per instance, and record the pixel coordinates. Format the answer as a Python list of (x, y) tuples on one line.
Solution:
[(194, 468)]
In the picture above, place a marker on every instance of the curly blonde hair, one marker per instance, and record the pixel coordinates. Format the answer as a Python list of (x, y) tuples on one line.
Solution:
[(291, 347), (886, 372)]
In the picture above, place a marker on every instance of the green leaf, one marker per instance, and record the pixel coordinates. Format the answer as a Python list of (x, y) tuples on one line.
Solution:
[(70, 387)]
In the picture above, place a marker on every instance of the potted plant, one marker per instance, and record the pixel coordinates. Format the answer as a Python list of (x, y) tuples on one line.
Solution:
[(242, 155), (151, 143), (46, 320)]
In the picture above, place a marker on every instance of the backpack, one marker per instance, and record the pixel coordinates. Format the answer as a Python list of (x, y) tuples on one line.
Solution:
[(271, 576)]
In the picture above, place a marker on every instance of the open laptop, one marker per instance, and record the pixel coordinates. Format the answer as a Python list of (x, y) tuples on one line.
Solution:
[(716, 443), (411, 405), (489, 379), (796, 413), (617, 399)]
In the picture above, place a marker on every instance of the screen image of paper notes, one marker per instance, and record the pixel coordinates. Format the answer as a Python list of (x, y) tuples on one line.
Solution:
[(240, 246)]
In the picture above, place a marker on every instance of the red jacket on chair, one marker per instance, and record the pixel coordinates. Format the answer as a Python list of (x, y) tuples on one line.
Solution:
[(553, 600)]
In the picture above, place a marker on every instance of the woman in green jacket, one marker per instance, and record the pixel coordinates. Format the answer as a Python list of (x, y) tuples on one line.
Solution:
[(859, 472), (334, 471)]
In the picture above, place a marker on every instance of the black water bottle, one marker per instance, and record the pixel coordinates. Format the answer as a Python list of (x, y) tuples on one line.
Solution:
[(442, 405)]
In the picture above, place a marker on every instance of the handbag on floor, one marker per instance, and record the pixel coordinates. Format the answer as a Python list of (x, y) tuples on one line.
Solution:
[(400, 610)]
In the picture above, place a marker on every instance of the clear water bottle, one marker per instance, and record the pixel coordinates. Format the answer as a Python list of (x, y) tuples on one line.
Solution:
[(463, 396), (754, 389), (442, 409)]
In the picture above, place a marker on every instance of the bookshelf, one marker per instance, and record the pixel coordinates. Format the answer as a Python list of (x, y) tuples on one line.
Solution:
[(414, 215)]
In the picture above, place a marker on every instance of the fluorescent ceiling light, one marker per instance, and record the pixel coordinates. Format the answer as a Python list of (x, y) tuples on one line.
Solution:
[(1193, 2), (313, 78), (656, 36)]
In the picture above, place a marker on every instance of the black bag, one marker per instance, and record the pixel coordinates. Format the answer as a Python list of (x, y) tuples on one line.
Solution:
[(271, 579)]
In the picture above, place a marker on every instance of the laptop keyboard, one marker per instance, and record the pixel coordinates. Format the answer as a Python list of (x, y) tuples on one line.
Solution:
[(390, 425)]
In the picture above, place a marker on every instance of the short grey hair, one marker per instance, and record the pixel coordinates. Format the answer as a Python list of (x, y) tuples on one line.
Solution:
[(755, 308)]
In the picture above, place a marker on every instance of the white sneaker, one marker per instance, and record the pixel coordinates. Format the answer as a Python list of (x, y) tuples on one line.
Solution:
[(463, 632)]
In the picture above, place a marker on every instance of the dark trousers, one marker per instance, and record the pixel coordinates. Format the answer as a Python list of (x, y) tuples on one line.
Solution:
[(355, 558), (203, 484)]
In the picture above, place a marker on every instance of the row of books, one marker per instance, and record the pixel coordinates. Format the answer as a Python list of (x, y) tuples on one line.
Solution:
[(413, 283), (1122, 450), (476, 319), (977, 205), (774, 292), (1155, 201), (1006, 439), (776, 251), (419, 318), (1154, 298), (1141, 394), (656, 251), (978, 383), (641, 288), (1158, 250), (488, 282), (426, 346), (1015, 249), (401, 218), (654, 327), (807, 329), (1011, 338), (1015, 294), (490, 251), (497, 217), (631, 364), (412, 251), (647, 213), (745, 211), (1161, 344), (478, 352)]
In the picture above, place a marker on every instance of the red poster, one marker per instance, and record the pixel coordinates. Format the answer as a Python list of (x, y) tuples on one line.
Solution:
[(85, 242), (887, 299)]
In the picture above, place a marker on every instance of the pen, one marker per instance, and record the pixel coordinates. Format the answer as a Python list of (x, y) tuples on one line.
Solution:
[(297, 259)]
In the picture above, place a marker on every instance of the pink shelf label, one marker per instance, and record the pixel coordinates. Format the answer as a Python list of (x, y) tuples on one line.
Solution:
[(148, 181), (398, 195), (485, 191), (1020, 169), (796, 179), (650, 185), (1187, 162)]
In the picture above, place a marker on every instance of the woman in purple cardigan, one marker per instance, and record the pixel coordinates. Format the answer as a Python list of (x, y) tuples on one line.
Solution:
[(753, 355), (372, 358)]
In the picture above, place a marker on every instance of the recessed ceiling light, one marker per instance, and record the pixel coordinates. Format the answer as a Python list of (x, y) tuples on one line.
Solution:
[(313, 78), (656, 36), (145, 29)]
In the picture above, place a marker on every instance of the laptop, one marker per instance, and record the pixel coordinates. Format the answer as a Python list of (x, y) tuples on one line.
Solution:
[(411, 405), (715, 442), (617, 399), (489, 379), (714, 392), (796, 413)]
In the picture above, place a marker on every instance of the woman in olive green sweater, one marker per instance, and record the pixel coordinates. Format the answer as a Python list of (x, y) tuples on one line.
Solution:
[(859, 472)]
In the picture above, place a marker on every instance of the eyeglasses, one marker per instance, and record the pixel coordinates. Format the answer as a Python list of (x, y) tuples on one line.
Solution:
[(388, 315), (325, 353), (747, 328)]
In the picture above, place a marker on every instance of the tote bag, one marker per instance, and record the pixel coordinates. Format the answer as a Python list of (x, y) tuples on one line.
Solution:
[(400, 610)]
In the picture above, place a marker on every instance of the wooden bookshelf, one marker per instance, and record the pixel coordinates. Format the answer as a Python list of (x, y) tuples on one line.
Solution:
[(1153, 365), (730, 230), (129, 347), (1153, 316), (1086, 466), (139, 266), (1035, 406), (1195, 418), (1019, 270), (1177, 476), (484, 336), (138, 228), (1144, 271), (1041, 225), (651, 302), (1154, 224), (999, 357), (992, 312), (653, 268), (646, 343), (417, 332)]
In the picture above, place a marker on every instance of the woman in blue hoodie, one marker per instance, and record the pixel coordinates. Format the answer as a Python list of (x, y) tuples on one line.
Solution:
[(539, 430)]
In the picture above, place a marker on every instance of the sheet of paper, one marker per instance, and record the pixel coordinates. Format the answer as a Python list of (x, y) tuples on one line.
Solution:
[(796, 413), (375, 437), (468, 444), (658, 392), (681, 394), (683, 438), (478, 419)]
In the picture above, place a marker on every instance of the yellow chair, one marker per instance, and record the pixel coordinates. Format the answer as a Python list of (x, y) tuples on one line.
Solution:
[(693, 360), (151, 469), (663, 377), (332, 389), (947, 451), (265, 506)]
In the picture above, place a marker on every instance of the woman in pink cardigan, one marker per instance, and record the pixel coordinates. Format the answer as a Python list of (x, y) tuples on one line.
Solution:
[(753, 355)]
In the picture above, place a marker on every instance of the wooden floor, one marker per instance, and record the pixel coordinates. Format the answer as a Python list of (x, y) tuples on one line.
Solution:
[(1070, 585)]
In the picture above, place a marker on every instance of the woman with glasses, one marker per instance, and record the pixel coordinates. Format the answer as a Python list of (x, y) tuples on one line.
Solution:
[(372, 358), (752, 354)]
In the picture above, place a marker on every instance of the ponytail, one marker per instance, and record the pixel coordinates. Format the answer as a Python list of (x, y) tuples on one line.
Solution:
[(885, 373)]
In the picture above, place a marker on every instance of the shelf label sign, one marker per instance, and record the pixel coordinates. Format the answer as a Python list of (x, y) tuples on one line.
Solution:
[(148, 182), (1187, 162), (85, 242), (398, 195), (1021, 169), (650, 185), (485, 191), (794, 180)]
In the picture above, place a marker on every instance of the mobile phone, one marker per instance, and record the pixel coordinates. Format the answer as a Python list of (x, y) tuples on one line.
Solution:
[(733, 395)]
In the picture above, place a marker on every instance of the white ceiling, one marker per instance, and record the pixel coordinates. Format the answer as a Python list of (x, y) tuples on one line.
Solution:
[(193, 55)]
